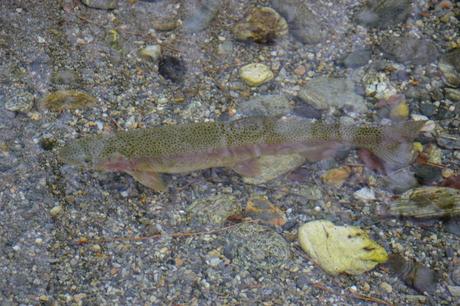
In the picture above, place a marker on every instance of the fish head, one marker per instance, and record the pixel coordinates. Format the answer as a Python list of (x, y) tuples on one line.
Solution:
[(85, 152)]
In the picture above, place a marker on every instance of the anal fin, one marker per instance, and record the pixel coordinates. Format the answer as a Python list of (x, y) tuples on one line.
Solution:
[(149, 179)]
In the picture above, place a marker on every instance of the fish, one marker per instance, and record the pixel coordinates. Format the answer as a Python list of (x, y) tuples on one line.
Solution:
[(147, 152)]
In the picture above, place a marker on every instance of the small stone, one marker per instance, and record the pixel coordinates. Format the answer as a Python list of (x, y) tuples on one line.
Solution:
[(306, 26), (61, 100), (357, 58), (384, 13), (21, 102), (152, 52), (323, 93), (453, 94), (410, 49), (386, 287), (400, 111), (101, 4), (56, 211), (300, 70), (268, 105), (272, 166), (256, 74), (214, 209), (43, 298), (96, 248), (172, 68), (448, 141), (201, 13), (336, 177), (262, 25), (377, 85), (427, 202), (365, 194), (450, 67)]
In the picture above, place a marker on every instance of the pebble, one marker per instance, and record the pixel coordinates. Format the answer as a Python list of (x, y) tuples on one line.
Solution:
[(377, 85), (449, 65), (101, 4), (256, 74), (409, 49), (201, 15), (448, 141), (337, 176), (384, 13), (172, 68), (213, 209), (400, 111), (306, 26), (324, 93), (267, 105), (365, 194), (261, 25), (386, 287), (56, 211), (151, 51), (452, 94), (357, 58), (21, 102)]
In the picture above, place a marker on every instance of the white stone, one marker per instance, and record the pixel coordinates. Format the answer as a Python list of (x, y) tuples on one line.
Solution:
[(365, 194)]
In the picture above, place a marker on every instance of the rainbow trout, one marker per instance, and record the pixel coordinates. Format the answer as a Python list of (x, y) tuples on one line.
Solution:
[(144, 153)]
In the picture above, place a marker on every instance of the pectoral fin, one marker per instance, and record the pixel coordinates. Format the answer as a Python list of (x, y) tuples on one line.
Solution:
[(148, 178), (247, 168)]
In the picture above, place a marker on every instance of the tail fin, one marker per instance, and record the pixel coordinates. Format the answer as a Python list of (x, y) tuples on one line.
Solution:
[(395, 149)]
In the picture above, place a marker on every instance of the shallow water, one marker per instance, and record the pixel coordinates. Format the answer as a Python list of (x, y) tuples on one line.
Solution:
[(338, 61)]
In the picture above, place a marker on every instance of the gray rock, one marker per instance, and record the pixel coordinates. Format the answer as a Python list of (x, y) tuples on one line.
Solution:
[(213, 210), (272, 166), (448, 141), (324, 92), (452, 94), (384, 13), (401, 180), (450, 67), (357, 58), (303, 24), (256, 247), (22, 102), (202, 12), (409, 49), (101, 4), (268, 105)]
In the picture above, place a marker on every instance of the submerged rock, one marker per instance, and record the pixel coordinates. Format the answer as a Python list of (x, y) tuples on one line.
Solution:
[(357, 58), (101, 4), (202, 12), (324, 93), (152, 52), (377, 85), (262, 25), (272, 166), (21, 102), (260, 208), (448, 141), (256, 74), (450, 67), (384, 13), (268, 105), (256, 247), (172, 68), (304, 25), (340, 249), (414, 274), (427, 202), (409, 49), (213, 210), (67, 99)]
